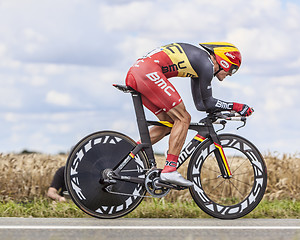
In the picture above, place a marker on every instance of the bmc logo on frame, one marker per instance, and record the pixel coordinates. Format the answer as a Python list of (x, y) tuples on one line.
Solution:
[(161, 83)]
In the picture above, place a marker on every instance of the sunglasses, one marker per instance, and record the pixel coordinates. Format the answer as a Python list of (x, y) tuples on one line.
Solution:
[(233, 69)]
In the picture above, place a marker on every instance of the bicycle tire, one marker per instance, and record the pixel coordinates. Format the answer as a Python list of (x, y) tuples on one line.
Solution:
[(228, 198), (84, 167)]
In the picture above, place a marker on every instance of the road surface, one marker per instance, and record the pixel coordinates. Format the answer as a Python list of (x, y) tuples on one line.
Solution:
[(130, 229)]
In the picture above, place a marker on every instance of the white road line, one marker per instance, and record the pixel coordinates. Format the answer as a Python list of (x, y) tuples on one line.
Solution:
[(26, 227)]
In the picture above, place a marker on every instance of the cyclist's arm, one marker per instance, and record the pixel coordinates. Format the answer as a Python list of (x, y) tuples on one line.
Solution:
[(201, 85), (203, 99)]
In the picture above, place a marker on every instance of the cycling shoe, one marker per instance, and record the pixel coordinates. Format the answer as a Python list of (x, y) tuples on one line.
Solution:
[(175, 178)]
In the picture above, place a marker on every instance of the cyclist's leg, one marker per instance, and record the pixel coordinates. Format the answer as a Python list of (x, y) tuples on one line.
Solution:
[(153, 94), (149, 80), (181, 119), (157, 132), (168, 107), (177, 137)]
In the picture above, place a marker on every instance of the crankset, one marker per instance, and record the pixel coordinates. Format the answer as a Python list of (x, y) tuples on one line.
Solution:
[(153, 185)]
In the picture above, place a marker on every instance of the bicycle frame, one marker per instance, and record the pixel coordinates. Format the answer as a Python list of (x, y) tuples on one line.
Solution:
[(108, 174), (205, 131)]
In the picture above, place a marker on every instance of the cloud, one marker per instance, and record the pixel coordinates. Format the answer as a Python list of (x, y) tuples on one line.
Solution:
[(57, 98), (2, 50), (54, 32), (58, 61), (10, 96)]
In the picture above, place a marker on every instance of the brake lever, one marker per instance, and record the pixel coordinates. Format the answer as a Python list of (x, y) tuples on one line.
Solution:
[(244, 124), (223, 124)]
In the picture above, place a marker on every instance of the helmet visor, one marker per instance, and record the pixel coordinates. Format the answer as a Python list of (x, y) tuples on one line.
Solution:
[(233, 69)]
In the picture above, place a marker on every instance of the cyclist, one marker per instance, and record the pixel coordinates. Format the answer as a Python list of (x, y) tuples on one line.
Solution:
[(150, 74)]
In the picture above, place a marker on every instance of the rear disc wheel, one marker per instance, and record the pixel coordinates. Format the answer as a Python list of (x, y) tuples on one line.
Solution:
[(87, 162)]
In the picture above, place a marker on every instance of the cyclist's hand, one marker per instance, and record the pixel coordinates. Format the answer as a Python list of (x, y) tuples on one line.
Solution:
[(242, 109)]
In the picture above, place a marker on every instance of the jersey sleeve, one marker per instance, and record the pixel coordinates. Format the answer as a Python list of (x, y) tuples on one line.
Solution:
[(203, 99), (201, 85)]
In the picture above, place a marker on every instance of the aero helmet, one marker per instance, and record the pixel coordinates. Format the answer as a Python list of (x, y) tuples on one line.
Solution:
[(227, 55)]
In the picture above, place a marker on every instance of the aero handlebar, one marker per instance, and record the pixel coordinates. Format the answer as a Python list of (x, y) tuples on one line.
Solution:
[(223, 117)]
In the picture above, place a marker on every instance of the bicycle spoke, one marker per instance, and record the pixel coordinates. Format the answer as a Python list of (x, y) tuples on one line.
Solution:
[(211, 170), (217, 185), (223, 188), (244, 173), (231, 159), (208, 168), (210, 179), (246, 160), (236, 188), (240, 181)]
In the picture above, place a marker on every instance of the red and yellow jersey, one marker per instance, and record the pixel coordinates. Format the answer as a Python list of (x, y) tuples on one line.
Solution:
[(173, 61), (150, 74)]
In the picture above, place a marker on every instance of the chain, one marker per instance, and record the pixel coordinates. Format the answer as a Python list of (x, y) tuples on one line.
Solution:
[(153, 195)]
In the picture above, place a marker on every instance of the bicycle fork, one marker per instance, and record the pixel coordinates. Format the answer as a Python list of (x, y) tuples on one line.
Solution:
[(222, 161), (219, 154)]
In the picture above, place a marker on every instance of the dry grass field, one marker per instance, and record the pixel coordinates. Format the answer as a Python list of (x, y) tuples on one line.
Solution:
[(27, 176)]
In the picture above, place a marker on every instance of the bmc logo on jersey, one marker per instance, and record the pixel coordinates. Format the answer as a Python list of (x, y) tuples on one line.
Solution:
[(224, 105), (161, 83)]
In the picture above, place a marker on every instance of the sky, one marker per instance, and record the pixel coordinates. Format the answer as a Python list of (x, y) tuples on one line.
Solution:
[(59, 59)]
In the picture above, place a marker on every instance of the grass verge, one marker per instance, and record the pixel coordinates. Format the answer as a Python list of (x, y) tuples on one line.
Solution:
[(154, 208)]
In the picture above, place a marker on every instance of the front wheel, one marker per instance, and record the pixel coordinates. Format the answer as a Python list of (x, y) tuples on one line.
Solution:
[(228, 198), (88, 161)]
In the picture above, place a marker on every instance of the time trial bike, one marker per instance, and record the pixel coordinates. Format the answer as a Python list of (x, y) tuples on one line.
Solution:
[(108, 174)]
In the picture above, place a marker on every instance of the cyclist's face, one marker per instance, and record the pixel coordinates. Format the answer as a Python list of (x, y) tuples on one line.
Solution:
[(222, 75)]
